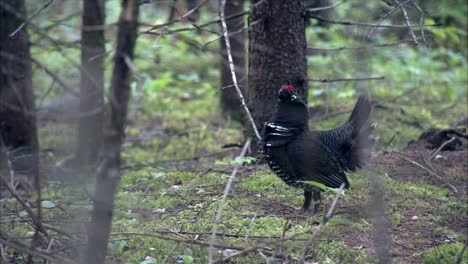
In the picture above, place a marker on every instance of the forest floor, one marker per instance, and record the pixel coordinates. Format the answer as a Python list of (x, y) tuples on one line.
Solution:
[(174, 176)]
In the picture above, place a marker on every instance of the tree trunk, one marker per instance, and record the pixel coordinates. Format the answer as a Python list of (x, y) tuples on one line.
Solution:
[(92, 83), (114, 133), (18, 132), (230, 102), (277, 53)]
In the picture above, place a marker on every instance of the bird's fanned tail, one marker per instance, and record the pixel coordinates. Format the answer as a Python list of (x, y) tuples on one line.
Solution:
[(361, 137)]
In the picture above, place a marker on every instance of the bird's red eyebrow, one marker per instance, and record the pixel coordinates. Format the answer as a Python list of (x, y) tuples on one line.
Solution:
[(290, 87)]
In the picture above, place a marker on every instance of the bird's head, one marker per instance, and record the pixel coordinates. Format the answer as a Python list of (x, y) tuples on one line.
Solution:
[(288, 94)]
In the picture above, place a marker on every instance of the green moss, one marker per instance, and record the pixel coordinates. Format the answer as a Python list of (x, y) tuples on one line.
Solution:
[(445, 254), (262, 182)]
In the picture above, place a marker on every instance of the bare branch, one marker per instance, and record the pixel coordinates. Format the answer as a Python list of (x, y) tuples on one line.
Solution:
[(178, 19), (179, 240), (226, 192), (364, 24), (361, 47), (233, 71), (407, 21), (8, 241), (440, 148), (35, 218), (194, 26), (326, 80), (310, 10), (317, 229), (460, 255), (431, 172), (382, 18), (421, 23), (31, 18)]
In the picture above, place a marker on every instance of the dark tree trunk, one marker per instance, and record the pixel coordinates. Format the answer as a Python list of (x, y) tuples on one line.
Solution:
[(18, 132), (114, 133), (277, 53), (230, 102), (92, 82)]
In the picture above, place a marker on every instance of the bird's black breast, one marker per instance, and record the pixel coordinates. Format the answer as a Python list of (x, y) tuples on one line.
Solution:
[(279, 162)]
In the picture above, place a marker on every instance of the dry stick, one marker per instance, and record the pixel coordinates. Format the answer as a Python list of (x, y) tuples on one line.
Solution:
[(325, 7), (259, 247), (169, 253), (178, 240), (364, 24), (380, 21), (36, 221), (326, 80), (178, 19), (226, 191), (421, 23), (231, 66), (31, 18), (223, 235), (460, 255), (407, 21), (452, 188), (361, 47), (193, 27), (431, 156), (325, 219), (7, 241)]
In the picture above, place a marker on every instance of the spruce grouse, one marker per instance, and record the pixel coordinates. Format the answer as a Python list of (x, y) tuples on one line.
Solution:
[(297, 154)]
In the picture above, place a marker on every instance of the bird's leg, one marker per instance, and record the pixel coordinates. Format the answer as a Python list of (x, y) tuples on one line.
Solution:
[(307, 199), (317, 200)]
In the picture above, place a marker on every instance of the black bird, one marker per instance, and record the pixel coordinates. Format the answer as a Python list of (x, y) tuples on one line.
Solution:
[(297, 154)]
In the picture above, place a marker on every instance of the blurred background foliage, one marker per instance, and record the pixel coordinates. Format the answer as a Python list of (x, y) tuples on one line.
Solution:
[(178, 72)]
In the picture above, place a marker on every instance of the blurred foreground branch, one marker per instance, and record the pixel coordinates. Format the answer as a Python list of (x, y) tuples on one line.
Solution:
[(233, 71)]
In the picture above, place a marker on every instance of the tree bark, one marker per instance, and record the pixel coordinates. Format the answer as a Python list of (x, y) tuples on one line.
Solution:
[(114, 133), (277, 53), (92, 83), (18, 131), (230, 102)]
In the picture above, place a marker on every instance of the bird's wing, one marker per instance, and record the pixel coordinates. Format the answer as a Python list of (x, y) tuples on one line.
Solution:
[(312, 161)]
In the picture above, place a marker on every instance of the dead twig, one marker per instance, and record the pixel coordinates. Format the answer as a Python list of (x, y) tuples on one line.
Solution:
[(407, 21), (317, 229), (196, 27), (431, 172), (421, 23), (364, 24), (460, 255), (361, 47), (34, 218), (382, 18), (179, 18), (226, 193), (8, 241), (327, 80), (232, 68), (311, 10), (431, 156), (31, 18), (178, 240)]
